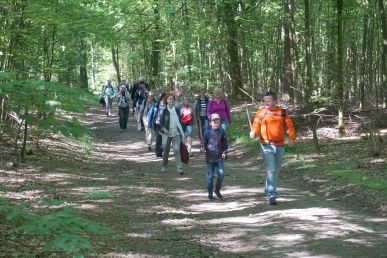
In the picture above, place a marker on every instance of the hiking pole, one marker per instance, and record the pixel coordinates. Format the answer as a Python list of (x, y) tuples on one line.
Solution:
[(248, 116)]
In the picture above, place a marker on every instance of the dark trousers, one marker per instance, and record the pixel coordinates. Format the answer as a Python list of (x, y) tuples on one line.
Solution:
[(124, 114), (159, 142)]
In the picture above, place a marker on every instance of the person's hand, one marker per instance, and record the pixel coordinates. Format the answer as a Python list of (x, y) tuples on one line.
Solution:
[(224, 156), (166, 131), (291, 143), (252, 135)]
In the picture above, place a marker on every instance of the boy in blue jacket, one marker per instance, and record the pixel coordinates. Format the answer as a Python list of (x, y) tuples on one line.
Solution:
[(215, 144)]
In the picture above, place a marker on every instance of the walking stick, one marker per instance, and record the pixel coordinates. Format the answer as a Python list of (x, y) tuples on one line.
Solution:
[(248, 116)]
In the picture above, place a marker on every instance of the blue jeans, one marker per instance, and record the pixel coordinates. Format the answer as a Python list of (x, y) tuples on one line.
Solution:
[(204, 124), (224, 125), (219, 168), (187, 130), (272, 159)]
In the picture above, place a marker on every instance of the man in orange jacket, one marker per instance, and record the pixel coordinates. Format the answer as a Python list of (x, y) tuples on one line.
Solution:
[(270, 124)]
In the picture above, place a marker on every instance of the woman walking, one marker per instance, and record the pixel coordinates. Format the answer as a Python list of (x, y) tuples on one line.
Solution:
[(171, 128)]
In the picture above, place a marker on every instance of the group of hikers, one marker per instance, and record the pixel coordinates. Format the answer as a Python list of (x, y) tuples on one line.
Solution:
[(171, 118)]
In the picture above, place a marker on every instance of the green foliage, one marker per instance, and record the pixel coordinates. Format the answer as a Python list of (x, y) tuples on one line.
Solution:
[(239, 132), (45, 107), (345, 173), (64, 229)]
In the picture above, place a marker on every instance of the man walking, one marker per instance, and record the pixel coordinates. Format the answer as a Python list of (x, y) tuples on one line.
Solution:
[(270, 123)]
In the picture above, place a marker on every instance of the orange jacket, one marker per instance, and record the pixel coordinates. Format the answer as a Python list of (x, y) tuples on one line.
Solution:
[(269, 125)]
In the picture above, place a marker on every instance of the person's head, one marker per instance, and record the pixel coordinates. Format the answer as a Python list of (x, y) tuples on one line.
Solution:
[(170, 98), (270, 99), (218, 93), (186, 101), (162, 97), (123, 88), (150, 96), (202, 93), (215, 121), (141, 82), (178, 94), (109, 82), (123, 82)]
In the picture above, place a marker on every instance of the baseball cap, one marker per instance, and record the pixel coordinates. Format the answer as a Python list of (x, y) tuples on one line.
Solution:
[(214, 117)]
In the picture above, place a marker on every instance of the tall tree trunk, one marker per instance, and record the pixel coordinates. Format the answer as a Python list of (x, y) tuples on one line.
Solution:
[(116, 63), (232, 48), (364, 62), (83, 65), (339, 91), (187, 41), (287, 81), (25, 134), (370, 52), (312, 120), (93, 71), (383, 18), (156, 50)]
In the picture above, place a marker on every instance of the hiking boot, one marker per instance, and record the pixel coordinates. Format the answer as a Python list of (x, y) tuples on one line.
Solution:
[(163, 168), (272, 201), (217, 192), (149, 148), (180, 171), (210, 197)]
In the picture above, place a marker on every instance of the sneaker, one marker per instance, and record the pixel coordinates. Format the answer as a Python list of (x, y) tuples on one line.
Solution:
[(163, 168), (149, 148), (217, 192), (210, 197), (180, 171), (272, 201)]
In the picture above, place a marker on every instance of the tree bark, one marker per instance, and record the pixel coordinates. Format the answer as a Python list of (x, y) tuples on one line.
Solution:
[(116, 61), (383, 19), (156, 50), (287, 81), (83, 65), (363, 63), (232, 48), (312, 120), (340, 80)]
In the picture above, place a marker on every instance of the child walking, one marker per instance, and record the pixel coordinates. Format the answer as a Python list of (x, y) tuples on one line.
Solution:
[(215, 144)]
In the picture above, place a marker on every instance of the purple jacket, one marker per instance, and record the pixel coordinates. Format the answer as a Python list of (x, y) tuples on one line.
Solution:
[(221, 109)]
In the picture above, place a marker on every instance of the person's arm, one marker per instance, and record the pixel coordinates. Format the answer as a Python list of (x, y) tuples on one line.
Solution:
[(291, 131), (256, 127), (150, 115), (203, 145), (224, 145), (163, 128)]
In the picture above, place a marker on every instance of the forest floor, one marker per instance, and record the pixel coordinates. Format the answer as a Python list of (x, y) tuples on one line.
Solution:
[(118, 183)]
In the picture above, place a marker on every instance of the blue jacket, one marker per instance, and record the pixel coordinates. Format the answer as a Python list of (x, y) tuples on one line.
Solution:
[(215, 143)]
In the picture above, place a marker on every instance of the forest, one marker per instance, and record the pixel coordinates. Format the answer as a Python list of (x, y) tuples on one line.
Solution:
[(327, 60)]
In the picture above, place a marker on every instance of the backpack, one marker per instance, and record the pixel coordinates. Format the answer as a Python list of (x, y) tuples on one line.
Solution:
[(123, 101)]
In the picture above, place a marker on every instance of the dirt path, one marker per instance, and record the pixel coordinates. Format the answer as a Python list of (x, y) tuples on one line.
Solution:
[(155, 214), (165, 214)]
